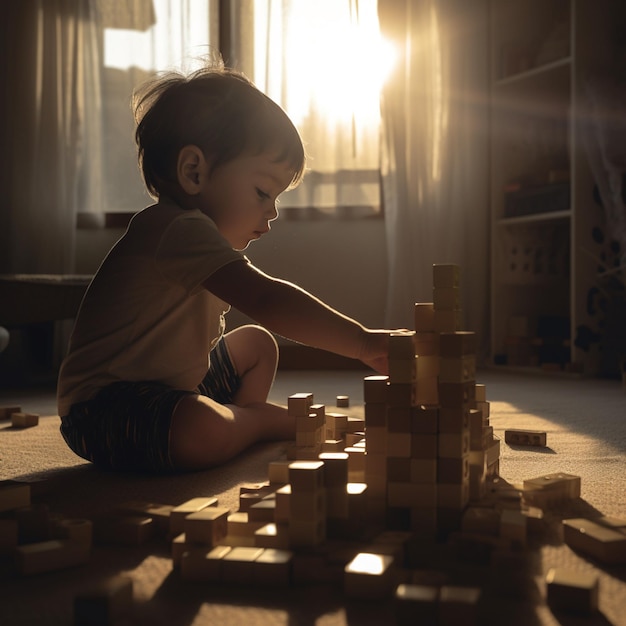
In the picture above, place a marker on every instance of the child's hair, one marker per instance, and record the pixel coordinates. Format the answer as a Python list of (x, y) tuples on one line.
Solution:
[(217, 109)]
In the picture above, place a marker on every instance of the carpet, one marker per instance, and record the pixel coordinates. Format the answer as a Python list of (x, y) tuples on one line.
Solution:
[(585, 422)]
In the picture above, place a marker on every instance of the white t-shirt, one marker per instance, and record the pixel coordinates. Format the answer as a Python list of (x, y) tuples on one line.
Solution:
[(146, 315)]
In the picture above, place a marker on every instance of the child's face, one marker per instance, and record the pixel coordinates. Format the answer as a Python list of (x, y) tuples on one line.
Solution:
[(240, 196)]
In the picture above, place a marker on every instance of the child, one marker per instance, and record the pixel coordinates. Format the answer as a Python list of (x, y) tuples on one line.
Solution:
[(151, 382)]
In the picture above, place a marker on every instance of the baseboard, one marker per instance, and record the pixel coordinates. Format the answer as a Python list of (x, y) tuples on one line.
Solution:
[(296, 357)]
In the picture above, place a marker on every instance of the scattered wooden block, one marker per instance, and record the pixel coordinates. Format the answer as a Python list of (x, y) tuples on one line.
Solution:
[(24, 420), (47, 556), (521, 437), (180, 512), (207, 526), (123, 529), (7, 411), (595, 539), (572, 591)]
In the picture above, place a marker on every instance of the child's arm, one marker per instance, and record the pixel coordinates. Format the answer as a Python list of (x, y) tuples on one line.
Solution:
[(291, 312)]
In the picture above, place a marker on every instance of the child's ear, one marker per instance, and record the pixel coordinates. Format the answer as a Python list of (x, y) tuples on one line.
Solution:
[(190, 167)]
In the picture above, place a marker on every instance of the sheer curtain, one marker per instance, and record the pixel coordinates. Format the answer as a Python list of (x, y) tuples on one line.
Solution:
[(434, 147), (69, 68), (50, 79), (323, 62)]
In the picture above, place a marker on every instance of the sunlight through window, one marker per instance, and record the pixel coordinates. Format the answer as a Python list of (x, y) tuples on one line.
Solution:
[(178, 40)]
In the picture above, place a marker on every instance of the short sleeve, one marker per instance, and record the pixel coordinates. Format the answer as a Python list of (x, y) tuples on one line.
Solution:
[(191, 249)]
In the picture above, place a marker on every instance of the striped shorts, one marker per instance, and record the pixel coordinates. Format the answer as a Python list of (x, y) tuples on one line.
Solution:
[(126, 425)]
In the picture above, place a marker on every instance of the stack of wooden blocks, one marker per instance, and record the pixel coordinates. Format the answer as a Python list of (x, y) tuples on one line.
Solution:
[(429, 443)]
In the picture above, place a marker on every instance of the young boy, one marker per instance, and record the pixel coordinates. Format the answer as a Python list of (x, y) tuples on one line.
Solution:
[(151, 382)]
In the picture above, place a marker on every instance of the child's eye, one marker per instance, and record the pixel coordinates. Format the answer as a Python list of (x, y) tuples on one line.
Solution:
[(262, 194)]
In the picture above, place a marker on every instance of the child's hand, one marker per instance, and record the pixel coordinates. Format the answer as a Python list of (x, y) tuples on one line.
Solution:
[(375, 352)]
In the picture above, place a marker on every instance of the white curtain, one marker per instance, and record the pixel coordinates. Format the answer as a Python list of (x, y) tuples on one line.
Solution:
[(50, 83), (435, 153), (323, 63)]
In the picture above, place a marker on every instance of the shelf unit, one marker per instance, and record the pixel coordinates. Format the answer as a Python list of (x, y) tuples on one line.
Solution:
[(542, 205)]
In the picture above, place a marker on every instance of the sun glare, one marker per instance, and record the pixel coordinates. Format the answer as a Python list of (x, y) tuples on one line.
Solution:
[(335, 63)]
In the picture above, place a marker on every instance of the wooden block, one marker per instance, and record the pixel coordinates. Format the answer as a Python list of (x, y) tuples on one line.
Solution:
[(453, 445), (454, 419), (407, 495), (107, 602), (572, 591), (7, 411), (370, 576), (403, 371), (278, 472), (426, 391), (401, 345), (159, 513), (475, 422), (47, 556), (356, 463), (375, 414), (446, 275), (307, 505), (447, 321), (336, 425), (453, 496), (273, 567), (457, 344), (180, 512), (299, 404), (426, 343), (513, 526), (446, 298), (425, 420), (239, 525), (237, 564), (375, 388), (335, 469), (13, 495), (453, 470), (123, 528), (207, 526), (426, 367), (355, 424), (457, 369), (400, 394), (306, 533), (398, 469), (399, 419), (423, 470), (523, 437), (306, 475), (272, 536), (399, 444), (456, 394), (552, 488), (459, 606), (202, 564), (24, 420), (342, 401), (424, 447), (606, 544), (480, 392), (424, 317)]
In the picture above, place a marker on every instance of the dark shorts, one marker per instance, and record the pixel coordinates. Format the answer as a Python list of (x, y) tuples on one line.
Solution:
[(126, 426)]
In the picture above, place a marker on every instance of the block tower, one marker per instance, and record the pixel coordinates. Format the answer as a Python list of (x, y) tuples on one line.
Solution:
[(429, 444)]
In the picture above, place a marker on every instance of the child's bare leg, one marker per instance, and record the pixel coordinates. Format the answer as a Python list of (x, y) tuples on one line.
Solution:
[(205, 433), (254, 353)]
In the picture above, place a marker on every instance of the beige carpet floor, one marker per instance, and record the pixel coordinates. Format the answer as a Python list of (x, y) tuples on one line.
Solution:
[(585, 421)]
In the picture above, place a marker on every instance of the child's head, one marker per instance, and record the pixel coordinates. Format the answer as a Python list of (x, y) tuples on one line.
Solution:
[(216, 109)]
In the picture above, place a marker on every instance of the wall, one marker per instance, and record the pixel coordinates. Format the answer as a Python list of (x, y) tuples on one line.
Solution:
[(341, 261)]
